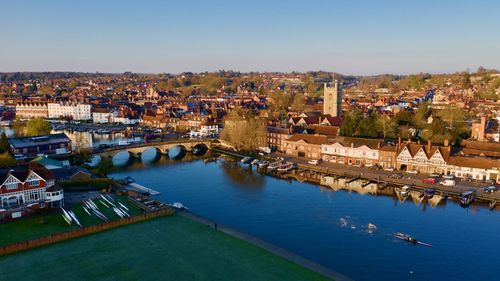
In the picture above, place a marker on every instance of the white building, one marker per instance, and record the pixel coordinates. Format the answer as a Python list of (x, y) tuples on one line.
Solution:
[(352, 151), (104, 115), (77, 111), (206, 131)]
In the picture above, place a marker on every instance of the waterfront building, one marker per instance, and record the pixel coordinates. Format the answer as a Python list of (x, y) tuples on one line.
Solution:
[(332, 99), (423, 158), (46, 144), (276, 136), (31, 109), (474, 168), (387, 156), (352, 151), (103, 115), (28, 187), (76, 111), (303, 145)]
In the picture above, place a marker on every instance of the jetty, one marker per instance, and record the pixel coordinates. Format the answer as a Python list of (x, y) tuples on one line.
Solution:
[(144, 189)]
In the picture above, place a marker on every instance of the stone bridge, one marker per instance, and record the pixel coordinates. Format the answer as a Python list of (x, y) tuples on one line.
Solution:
[(162, 148)]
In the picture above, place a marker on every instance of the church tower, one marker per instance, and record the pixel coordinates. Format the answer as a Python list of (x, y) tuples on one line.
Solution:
[(332, 99)]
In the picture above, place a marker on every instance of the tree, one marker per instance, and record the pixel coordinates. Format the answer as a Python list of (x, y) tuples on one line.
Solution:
[(403, 117), (420, 117), (368, 127), (6, 160), (466, 82), (244, 131), (298, 103), (350, 123), (38, 126), (4, 143), (105, 166), (388, 126)]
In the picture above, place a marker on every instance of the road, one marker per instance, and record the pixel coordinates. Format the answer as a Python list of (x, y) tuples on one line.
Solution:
[(407, 179)]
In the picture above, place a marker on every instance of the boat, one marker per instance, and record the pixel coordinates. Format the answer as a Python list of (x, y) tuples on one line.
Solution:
[(255, 162), (178, 205), (273, 166), (371, 226), (246, 160), (429, 192), (107, 201), (118, 212), (75, 218), (286, 167), (263, 163), (467, 197), (405, 191), (123, 206), (66, 219), (410, 239), (86, 210), (66, 216), (105, 205)]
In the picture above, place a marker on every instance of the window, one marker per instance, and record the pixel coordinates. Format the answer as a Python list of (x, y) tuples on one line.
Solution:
[(34, 183), (11, 186)]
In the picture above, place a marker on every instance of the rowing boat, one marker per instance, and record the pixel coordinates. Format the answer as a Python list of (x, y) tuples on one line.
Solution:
[(410, 239)]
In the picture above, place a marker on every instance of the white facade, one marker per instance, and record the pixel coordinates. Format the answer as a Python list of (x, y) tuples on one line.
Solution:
[(206, 131), (104, 117), (421, 162), (79, 111), (126, 120), (338, 153)]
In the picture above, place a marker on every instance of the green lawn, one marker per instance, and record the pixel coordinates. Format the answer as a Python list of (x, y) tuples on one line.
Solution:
[(167, 248), (52, 222)]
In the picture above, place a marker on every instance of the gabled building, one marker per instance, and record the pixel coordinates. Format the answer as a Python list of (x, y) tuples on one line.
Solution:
[(302, 145), (423, 158), (352, 151), (26, 187)]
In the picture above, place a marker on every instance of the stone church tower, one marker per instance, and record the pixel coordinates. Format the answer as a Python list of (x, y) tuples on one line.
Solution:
[(332, 99)]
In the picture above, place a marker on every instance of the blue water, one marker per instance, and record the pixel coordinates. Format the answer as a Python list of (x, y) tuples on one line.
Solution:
[(304, 218)]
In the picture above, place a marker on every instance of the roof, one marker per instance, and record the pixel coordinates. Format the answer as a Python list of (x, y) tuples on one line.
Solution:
[(39, 140), (358, 142), (22, 172), (333, 121), (326, 130), (63, 173), (46, 161), (474, 162), (310, 139)]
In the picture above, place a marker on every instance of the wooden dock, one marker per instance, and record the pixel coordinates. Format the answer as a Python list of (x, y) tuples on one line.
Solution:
[(144, 189)]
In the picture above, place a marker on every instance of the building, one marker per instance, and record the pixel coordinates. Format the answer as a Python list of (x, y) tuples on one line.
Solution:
[(387, 157), (302, 145), (332, 99), (103, 115), (73, 174), (275, 138), (46, 144), (477, 168), (31, 109), (28, 187), (423, 158), (76, 111), (352, 151), (479, 129)]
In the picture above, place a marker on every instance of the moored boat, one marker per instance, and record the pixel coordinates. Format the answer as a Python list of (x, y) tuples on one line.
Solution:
[(286, 167), (273, 166), (467, 197), (429, 192), (246, 160), (405, 191), (410, 239)]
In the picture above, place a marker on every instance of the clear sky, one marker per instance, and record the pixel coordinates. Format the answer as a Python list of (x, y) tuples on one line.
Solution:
[(350, 37)]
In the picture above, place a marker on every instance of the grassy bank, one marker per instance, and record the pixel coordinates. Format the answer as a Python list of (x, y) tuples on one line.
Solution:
[(173, 248), (52, 222)]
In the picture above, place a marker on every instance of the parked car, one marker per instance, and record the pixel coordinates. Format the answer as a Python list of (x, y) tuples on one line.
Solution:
[(390, 169), (314, 162), (448, 177), (412, 172), (434, 175), (490, 189), (448, 183), (429, 180), (396, 176)]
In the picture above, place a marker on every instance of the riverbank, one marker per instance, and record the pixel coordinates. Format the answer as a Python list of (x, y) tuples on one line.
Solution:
[(174, 248)]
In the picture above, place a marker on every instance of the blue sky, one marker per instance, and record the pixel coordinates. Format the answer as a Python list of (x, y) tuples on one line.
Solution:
[(350, 37)]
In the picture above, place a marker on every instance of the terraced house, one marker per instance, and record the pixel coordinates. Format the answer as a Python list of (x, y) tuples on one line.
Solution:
[(423, 158), (352, 151)]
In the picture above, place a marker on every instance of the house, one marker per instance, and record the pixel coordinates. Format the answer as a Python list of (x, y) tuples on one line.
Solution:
[(303, 145), (72, 174), (387, 156), (478, 168), (352, 151), (423, 158), (103, 115), (276, 136), (77, 111), (31, 109), (28, 187), (46, 144)]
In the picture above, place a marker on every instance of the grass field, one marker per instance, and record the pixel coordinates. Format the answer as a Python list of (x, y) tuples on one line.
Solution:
[(167, 248), (52, 222)]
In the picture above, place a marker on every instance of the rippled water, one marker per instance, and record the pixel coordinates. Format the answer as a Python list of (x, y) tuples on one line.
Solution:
[(304, 219)]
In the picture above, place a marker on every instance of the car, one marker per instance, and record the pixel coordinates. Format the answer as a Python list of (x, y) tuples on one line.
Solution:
[(448, 177), (104, 146), (314, 162), (412, 172), (429, 180), (396, 176), (434, 175), (490, 189), (447, 183), (389, 169)]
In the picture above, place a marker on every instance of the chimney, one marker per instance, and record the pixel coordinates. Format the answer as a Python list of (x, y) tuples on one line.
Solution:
[(399, 140), (446, 142), (352, 144), (429, 145)]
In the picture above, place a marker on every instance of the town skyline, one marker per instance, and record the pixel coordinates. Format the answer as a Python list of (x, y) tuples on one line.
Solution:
[(360, 38)]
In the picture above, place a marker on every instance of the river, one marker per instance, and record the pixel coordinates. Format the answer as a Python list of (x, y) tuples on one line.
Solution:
[(304, 218)]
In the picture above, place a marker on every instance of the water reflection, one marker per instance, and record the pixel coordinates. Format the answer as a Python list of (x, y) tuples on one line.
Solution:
[(242, 176)]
